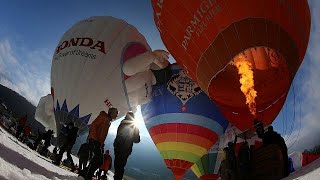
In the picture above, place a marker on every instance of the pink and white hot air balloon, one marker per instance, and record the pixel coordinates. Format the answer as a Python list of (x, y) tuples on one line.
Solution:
[(100, 62)]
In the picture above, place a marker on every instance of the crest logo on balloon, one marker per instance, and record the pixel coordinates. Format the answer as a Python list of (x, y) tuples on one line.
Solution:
[(183, 88)]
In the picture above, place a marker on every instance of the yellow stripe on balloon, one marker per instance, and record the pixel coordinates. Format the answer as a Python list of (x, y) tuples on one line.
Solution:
[(183, 147), (186, 156)]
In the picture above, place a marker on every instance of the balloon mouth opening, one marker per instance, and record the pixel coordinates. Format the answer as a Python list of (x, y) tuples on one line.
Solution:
[(178, 173), (178, 167), (253, 81), (261, 58)]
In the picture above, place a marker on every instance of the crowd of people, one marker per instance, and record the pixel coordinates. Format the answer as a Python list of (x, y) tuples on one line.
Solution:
[(93, 162), (239, 167)]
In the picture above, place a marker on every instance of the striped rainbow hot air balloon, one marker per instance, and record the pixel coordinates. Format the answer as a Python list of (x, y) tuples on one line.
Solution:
[(181, 119)]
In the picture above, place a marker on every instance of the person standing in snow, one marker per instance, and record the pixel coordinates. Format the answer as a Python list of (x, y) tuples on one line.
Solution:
[(127, 134), (26, 133), (71, 138), (38, 140), (83, 155), (47, 142), (97, 135)]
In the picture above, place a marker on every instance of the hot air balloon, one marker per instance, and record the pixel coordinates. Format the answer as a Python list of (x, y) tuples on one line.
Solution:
[(100, 62), (207, 167), (243, 54), (45, 111), (181, 119)]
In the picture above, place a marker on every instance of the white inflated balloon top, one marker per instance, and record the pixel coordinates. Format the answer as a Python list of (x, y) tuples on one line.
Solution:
[(87, 66)]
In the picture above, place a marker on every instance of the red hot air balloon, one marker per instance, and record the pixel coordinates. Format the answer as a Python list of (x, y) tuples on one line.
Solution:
[(243, 54)]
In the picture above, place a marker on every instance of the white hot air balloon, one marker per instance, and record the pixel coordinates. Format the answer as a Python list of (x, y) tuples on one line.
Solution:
[(100, 62), (45, 112)]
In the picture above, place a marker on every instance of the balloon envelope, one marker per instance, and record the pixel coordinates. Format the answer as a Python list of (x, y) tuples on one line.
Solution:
[(205, 36), (90, 71), (45, 114), (182, 121)]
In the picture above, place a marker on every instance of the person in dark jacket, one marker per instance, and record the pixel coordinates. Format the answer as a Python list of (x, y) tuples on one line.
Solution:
[(54, 154), (38, 140), (127, 134), (231, 162), (83, 155), (259, 128), (47, 141), (272, 137), (97, 135), (71, 137), (244, 161), (224, 166), (63, 135)]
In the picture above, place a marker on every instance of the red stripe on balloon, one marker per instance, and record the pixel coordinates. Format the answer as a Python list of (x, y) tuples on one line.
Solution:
[(186, 138), (183, 128)]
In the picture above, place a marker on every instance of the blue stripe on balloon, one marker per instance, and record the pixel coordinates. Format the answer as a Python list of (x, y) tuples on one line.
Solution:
[(164, 102), (185, 118)]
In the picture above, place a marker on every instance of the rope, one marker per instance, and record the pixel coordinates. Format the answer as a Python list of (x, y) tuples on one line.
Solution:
[(298, 131), (294, 115)]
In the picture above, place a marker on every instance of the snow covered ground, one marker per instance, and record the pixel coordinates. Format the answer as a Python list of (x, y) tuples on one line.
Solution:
[(309, 172), (18, 161)]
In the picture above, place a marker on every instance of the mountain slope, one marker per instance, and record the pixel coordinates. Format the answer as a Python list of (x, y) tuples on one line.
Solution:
[(19, 107)]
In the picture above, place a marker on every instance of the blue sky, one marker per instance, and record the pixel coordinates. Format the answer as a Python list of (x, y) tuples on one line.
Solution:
[(30, 31)]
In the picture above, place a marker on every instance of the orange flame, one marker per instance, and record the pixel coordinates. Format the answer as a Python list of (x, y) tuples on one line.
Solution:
[(246, 80)]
